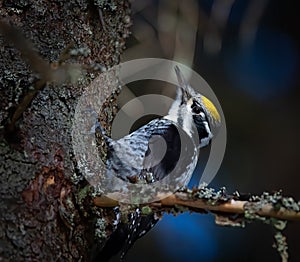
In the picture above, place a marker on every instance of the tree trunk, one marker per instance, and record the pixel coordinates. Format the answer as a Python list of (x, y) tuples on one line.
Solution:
[(45, 214)]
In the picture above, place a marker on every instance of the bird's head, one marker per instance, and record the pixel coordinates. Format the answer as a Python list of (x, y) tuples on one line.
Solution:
[(190, 107)]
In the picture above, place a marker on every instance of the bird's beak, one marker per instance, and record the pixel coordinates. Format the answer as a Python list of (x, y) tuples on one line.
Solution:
[(183, 85)]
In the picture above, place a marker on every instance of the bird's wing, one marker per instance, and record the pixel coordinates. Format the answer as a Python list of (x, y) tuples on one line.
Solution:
[(170, 153), (163, 152), (127, 156)]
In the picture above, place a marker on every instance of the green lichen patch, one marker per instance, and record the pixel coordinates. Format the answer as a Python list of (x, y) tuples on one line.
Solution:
[(281, 246)]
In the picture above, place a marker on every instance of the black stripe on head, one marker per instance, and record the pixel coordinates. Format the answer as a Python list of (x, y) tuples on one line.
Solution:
[(201, 128)]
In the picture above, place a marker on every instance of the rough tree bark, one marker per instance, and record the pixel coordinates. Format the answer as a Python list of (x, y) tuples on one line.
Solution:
[(41, 210)]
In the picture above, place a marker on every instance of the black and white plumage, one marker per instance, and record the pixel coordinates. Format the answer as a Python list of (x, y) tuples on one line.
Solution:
[(150, 153)]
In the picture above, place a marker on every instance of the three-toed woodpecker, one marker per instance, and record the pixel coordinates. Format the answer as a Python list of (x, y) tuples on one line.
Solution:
[(136, 158)]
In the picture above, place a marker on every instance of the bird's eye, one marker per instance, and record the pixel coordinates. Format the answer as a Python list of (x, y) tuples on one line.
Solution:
[(196, 110)]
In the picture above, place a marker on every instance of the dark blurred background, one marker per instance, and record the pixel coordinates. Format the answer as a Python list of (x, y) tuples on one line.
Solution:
[(248, 52)]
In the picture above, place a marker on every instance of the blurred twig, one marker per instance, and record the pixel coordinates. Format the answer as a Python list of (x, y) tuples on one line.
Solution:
[(212, 38), (28, 53), (57, 72), (250, 22)]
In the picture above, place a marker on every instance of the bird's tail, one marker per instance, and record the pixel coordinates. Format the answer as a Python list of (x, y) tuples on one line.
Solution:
[(125, 235)]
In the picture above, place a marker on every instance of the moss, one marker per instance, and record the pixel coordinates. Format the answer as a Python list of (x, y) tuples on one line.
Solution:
[(210, 194), (82, 194), (146, 210), (278, 224), (106, 4), (81, 51), (100, 226), (281, 246)]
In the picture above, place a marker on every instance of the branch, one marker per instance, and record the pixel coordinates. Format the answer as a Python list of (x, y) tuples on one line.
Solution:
[(232, 207), (206, 199), (229, 210)]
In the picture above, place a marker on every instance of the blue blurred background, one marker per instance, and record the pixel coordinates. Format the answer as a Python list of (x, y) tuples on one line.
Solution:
[(248, 51)]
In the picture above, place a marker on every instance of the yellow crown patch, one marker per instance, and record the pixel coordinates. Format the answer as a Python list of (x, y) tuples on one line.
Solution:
[(211, 109)]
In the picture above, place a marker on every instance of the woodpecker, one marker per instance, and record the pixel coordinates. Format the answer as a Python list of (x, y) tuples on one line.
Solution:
[(137, 157)]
